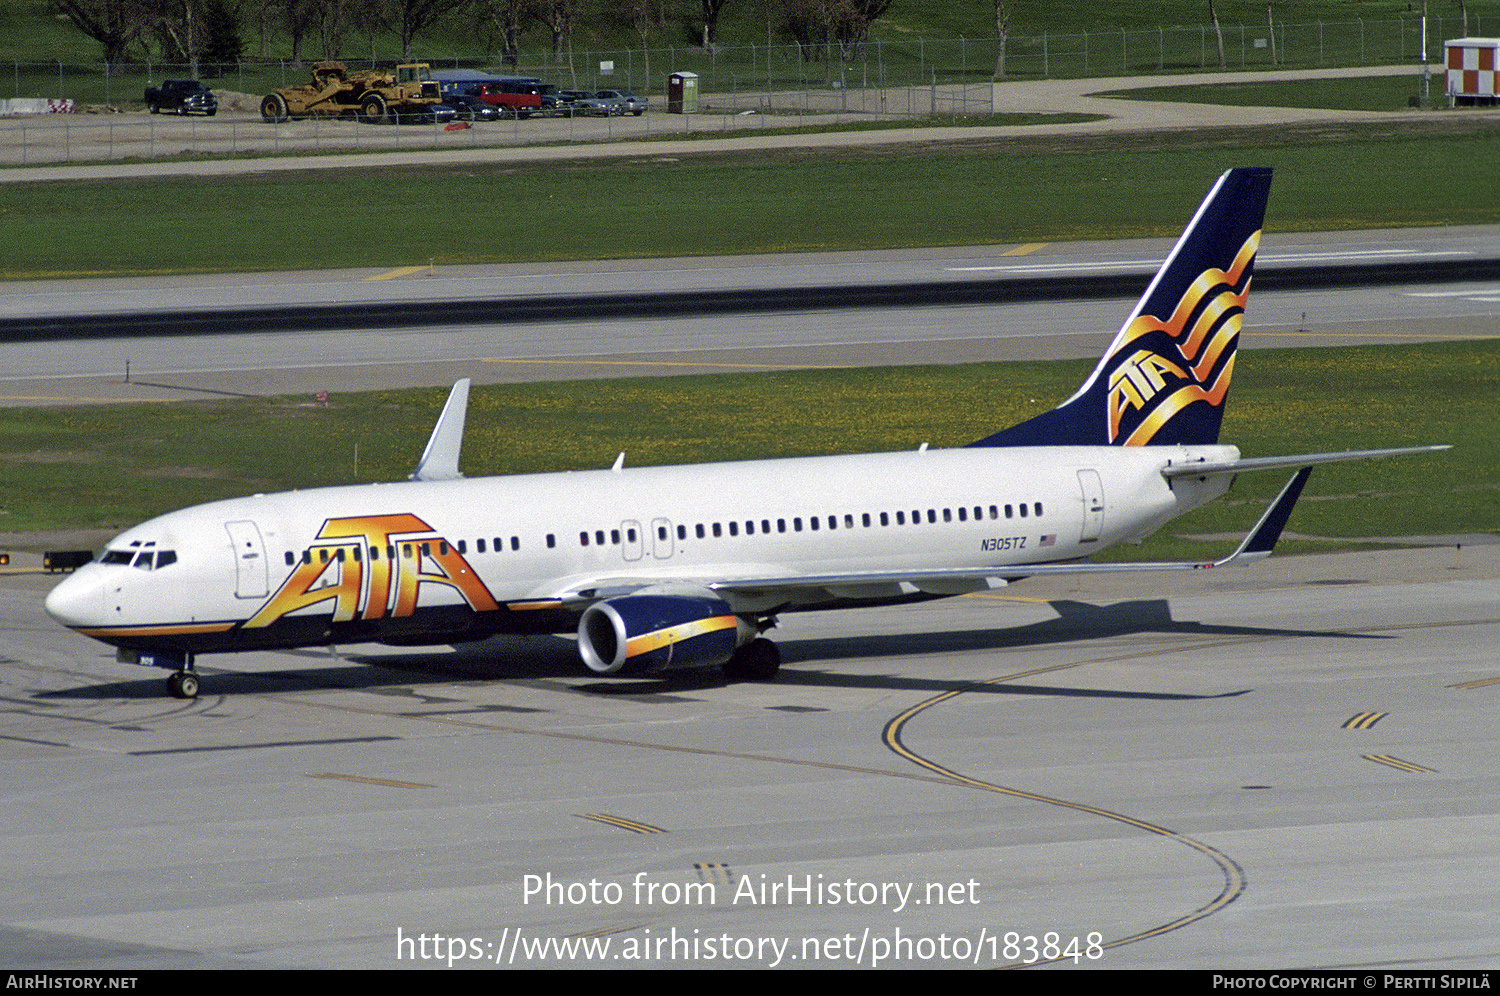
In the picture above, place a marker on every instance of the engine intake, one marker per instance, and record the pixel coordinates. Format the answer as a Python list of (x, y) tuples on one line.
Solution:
[(657, 632)]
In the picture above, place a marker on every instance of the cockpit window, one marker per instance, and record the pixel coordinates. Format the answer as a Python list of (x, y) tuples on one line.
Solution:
[(144, 560)]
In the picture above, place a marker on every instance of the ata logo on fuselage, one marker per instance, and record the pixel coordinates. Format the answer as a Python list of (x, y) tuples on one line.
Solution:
[(374, 567)]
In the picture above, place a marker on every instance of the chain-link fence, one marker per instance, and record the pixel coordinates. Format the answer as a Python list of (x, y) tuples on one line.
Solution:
[(739, 88), (744, 72)]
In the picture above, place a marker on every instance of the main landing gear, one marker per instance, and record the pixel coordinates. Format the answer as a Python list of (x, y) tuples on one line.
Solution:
[(758, 660)]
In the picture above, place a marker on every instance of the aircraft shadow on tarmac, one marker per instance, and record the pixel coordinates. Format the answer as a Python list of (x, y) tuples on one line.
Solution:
[(401, 674), (1076, 621)]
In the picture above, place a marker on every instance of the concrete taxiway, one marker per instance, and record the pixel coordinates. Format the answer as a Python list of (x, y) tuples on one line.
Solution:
[(1286, 766)]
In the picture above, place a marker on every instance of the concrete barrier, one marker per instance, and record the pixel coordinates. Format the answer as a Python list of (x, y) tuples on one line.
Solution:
[(34, 105)]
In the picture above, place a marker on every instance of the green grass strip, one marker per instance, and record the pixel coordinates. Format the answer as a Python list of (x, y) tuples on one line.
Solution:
[(112, 466), (995, 191)]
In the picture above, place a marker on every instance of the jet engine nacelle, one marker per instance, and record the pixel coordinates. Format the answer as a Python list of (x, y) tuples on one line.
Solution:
[(657, 632)]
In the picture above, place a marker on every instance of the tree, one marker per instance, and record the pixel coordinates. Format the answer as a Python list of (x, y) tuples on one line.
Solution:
[(710, 10), (221, 28), (1213, 15), (645, 20), (330, 18), (409, 18), (1002, 35), (114, 24), (1271, 30), (299, 17), (824, 23), (561, 17), (508, 16), (193, 31), (365, 15)]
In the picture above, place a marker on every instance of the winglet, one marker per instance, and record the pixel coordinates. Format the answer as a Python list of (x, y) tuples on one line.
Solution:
[(1262, 539), (440, 459)]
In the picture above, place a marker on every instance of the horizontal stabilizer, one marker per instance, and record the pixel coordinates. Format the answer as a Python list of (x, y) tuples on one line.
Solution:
[(1211, 468)]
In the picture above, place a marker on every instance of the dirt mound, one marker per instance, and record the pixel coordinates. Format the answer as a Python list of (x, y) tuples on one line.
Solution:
[(230, 100)]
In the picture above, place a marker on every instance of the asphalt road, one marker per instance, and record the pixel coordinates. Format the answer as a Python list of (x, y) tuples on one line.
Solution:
[(463, 322)]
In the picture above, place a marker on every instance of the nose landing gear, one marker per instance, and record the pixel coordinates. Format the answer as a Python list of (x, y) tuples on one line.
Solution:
[(183, 684)]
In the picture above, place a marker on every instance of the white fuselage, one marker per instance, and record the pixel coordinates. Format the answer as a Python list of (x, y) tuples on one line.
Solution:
[(425, 561)]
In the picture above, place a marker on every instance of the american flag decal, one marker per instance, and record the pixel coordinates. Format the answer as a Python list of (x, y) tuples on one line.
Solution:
[(1049, 539)]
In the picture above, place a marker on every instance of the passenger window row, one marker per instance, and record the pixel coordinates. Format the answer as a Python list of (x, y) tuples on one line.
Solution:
[(143, 557), (407, 550), (598, 536), (815, 523)]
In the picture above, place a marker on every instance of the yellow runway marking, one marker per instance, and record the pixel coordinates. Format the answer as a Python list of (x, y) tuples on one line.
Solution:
[(1010, 598), (1482, 682), (76, 400), (371, 781), (586, 361), (1400, 765), (1364, 720), (622, 823), (1026, 250), (1234, 875), (405, 271)]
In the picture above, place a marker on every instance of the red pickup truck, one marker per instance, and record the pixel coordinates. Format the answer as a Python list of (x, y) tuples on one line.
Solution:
[(515, 98)]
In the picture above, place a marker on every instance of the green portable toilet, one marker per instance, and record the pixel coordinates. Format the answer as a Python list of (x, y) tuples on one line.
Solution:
[(682, 93)]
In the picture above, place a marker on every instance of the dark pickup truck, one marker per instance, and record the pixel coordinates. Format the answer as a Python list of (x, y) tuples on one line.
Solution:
[(182, 96)]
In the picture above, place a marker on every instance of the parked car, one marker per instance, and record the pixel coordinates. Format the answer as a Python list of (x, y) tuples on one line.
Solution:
[(470, 108), (567, 104), (607, 102), (567, 101), (182, 96), (548, 93), (515, 98), (439, 113)]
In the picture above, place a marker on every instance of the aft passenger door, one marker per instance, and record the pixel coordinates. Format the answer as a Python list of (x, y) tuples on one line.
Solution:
[(1093, 505)]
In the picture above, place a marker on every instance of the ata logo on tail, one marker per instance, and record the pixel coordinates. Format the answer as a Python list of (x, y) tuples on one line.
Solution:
[(1163, 380), (1186, 358)]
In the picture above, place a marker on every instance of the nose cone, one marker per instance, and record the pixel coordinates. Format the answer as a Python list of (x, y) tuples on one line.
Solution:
[(78, 602)]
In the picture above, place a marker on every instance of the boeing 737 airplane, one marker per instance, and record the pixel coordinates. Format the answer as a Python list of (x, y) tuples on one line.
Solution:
[(675, 567)]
